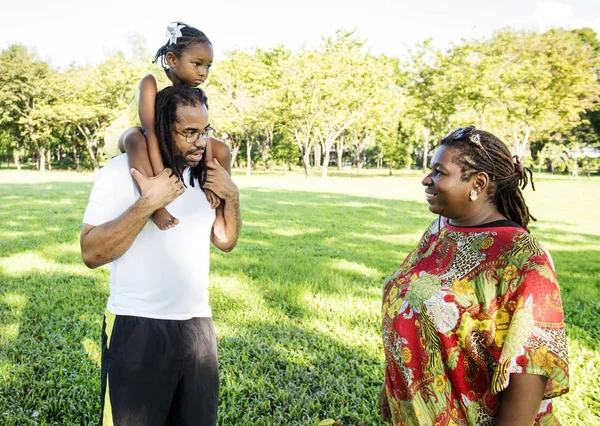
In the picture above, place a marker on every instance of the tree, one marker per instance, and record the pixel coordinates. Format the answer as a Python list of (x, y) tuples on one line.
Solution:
[(28, 91), (301, 97), (241, 101), (431, 94), (550, 84)]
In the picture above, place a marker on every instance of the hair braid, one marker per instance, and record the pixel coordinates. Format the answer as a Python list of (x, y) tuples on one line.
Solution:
[(166, 106), (508, 175)]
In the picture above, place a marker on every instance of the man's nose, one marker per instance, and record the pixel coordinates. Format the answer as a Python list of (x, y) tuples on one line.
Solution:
[(201, 142)]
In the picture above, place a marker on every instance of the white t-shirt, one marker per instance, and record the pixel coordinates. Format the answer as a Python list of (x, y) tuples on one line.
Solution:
[(164, 274)]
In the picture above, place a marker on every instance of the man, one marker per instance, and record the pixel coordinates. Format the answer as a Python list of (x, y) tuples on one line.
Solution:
[(159, 359)]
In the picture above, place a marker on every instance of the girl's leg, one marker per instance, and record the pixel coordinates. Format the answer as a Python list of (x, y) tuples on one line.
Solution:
[(134, 143)]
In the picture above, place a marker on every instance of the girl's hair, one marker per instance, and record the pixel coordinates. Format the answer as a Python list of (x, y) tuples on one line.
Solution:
[(167, 103), (481, 151), (189, 37)]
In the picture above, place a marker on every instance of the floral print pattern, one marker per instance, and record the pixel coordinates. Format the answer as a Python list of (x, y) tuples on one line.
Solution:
[(467, 308)]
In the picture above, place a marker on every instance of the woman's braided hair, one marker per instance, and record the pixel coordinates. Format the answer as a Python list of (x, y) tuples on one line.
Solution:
[(189, 37), (166, 106), (507, 175)]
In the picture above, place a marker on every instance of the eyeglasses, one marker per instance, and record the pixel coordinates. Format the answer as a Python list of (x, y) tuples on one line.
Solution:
[(192, 137), (467, 132)]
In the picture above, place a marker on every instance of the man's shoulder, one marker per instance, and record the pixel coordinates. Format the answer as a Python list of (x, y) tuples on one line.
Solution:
[(118, 164), (117, 169)]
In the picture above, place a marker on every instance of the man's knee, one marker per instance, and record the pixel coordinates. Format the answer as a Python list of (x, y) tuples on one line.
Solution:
[(133, 140)]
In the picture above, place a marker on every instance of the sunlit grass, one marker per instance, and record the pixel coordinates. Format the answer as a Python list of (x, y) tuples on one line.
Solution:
[(296, 305)]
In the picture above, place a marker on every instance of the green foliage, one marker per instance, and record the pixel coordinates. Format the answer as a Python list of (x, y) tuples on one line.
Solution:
[(527, 88)]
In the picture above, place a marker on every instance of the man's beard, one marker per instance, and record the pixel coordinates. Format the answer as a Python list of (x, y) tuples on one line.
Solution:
[(180, 158)]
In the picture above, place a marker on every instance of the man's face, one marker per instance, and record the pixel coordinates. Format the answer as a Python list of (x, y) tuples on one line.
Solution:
[(191, 121)]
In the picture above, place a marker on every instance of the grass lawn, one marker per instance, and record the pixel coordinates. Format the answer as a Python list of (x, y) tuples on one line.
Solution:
[(296, 304)]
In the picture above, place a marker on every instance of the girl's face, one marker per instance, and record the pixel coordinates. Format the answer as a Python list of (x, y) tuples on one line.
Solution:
[(193, 66), (446, 192)]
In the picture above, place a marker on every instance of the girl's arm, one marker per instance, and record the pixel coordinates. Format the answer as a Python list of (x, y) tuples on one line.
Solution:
[(148, 90)]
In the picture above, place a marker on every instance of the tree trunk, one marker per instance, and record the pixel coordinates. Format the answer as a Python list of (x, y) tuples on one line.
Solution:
[(520, 147), (235, 150), (89, 146), (426, 135), (248, 155), (340, 153), (42, 158), (317, 155), (325, 163), (17, 158), (75, 152), (76, 157), (359, 164), (306, 162)]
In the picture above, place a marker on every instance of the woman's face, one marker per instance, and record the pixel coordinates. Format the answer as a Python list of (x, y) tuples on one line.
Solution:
[(445, 191)]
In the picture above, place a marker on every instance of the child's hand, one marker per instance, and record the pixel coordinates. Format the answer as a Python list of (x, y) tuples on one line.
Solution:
[(212, 199)]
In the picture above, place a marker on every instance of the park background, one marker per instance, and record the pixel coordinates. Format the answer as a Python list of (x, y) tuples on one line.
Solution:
[(297, 302)]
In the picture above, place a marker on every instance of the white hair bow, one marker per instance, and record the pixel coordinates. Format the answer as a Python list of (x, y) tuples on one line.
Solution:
[(174, 32)]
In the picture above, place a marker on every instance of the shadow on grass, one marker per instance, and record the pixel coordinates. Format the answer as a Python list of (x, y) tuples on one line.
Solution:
[(286, 374), (35, 216), (49, 375), (281, 369), (329, 243)]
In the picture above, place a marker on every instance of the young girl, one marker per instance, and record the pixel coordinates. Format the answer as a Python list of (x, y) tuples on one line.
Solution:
[(186, 59)]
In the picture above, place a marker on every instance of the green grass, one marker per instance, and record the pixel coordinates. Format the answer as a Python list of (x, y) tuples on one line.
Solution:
[(296, 305)]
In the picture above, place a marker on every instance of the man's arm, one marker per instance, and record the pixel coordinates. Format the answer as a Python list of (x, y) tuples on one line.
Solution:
[(226, 228), (104, 243), (520, 402)]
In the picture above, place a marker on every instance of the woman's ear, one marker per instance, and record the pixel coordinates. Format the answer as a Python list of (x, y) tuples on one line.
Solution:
[(481, 182)]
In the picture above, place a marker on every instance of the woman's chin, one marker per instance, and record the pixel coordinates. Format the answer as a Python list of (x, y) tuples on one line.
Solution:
[(434, 209)]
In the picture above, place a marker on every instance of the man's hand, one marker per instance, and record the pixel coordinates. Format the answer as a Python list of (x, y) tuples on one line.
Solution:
[(219, 181), (160, 190)]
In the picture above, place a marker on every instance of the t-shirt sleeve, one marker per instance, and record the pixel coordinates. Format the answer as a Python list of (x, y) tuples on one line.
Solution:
[(111, 195), (535, 341)]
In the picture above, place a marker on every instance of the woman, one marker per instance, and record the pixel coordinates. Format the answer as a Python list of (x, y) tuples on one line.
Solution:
[(473, 327)]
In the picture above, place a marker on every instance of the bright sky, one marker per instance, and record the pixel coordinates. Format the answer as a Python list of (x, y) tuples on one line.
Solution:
[(83, 31)]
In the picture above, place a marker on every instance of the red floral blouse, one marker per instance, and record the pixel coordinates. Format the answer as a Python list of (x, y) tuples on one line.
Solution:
[(468, 307)]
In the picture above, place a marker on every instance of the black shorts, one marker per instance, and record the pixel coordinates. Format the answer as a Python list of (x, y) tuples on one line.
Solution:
[(158, 372)]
